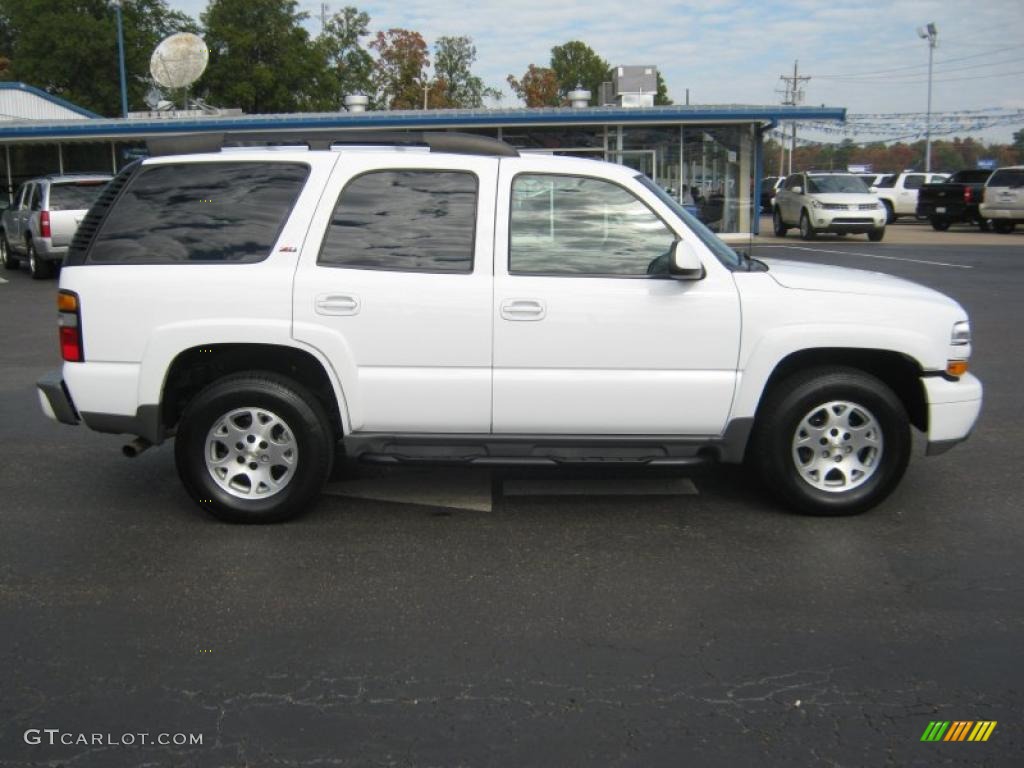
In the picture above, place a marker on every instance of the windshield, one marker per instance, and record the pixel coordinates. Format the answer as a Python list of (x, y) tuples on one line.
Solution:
[(722, 252), (837, 183), (77, 196)]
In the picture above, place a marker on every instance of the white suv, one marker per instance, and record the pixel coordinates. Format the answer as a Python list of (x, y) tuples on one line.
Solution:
[(1003, 199), (272, 309), (827, 202)]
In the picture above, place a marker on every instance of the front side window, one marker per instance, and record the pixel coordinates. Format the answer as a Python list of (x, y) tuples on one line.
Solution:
[(574, 225), (200, 213), (914, 181), (411, 221), (887, 183), (796, 180)]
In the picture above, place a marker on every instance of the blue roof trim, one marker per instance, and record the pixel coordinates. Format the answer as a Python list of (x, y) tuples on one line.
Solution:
[(49, 97), (420, 119)]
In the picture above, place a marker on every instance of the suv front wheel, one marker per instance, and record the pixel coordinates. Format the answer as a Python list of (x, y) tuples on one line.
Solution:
[(254, 447), (831, 441), (778, 224), (807, 232), (10, 261)]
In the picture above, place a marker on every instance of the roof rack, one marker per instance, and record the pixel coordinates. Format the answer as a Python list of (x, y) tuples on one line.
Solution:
[(436, 141)]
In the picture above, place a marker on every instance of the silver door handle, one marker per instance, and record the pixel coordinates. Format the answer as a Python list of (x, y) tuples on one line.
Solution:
[(522, 309), (335, 304)]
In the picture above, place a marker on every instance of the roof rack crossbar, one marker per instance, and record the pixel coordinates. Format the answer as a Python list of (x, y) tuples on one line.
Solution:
[(436, 141)]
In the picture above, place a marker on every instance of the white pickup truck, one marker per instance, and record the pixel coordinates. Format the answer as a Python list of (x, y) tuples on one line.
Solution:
[(898, 192), (447, 300)]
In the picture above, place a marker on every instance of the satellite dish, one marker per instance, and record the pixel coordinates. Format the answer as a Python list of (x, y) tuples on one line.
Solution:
[(179, 60), (153, 97)]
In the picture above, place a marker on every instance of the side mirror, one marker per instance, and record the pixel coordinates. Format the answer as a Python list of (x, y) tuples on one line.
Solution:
[(684, 263), (873, 189), (797, 190)]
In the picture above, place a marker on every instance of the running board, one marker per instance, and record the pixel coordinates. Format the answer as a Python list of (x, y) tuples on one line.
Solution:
[(531, 450)]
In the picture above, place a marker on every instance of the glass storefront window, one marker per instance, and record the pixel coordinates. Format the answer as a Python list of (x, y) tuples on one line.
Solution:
[(555, 138), (718, 173)]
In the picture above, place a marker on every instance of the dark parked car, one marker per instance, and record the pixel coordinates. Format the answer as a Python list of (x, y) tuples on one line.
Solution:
[(954, 200), (769, 184)]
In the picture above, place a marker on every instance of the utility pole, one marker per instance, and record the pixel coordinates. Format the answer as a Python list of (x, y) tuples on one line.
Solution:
[(930, 33), (323, 17), (793, 96)]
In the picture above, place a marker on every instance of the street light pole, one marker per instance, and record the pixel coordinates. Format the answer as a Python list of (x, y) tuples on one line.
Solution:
[(931, 34), (120, 60)]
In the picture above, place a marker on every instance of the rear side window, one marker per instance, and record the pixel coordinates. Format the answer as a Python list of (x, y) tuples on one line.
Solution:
[(412, 221), (77, 196), (1007, 177), (199, 213)]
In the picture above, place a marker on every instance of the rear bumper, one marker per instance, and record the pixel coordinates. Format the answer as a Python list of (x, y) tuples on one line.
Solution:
[(55, 400), (46, 250), (954, 211), (953, 408), (995, 212)]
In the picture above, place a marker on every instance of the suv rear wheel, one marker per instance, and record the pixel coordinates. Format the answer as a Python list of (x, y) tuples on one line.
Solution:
[(831, 441), (10, 261), (1004, 226), (38, 268), (254, 447)]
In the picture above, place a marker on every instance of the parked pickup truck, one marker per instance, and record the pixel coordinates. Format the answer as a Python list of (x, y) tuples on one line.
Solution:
[(954, 200), (898, 192)]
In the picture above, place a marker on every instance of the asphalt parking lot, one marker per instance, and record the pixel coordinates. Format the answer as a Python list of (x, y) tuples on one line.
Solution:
[(456, 618)]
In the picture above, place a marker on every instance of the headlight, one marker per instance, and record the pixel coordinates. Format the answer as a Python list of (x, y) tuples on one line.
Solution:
[(961, 333), (815, 204)]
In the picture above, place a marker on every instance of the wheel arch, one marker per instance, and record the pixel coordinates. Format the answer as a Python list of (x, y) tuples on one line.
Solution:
[(900, 372), (198, 366)]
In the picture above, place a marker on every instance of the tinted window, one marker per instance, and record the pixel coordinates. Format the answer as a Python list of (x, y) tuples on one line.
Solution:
[(913, 181), (887, 182), (569, 225), (200, 212), (74, 197), (416, 221), (969, 177), (32, 199), (1007, 177), (796, 180)]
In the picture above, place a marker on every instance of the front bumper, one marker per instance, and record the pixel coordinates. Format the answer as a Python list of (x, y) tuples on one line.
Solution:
[(953, 408), (856, 222), (55, 400)]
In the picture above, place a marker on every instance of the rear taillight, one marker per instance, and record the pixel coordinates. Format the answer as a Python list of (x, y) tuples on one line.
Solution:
[(70, 318), (968, 195), (44, 224)]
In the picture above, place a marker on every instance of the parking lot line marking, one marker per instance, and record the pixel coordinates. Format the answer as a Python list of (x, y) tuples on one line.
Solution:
[(871, 256), (2, 280), (599, 486)]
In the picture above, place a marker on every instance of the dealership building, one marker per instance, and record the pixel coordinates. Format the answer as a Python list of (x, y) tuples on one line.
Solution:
[(709, 157)]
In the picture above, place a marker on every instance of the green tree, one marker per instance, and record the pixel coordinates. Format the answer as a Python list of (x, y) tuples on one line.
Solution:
[(261, 59), (538, 87), (453, 67), (351, 64), (401, 73), (575, 63), (69, 47), (661, 98)]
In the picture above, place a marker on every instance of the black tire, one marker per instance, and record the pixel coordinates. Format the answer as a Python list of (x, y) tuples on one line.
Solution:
[(40, 269), (778, 225), (984, 225), (307, 429), (782, 414), (890, 213), (876, 235), (807, 232), (9, 260), (940, 223), (1003, 226)]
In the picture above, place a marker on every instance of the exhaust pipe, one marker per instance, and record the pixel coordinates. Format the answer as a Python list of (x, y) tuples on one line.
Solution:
[(135, 447)]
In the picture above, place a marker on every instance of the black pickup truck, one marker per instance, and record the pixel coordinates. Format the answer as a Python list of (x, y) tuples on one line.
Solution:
[(955, 199)]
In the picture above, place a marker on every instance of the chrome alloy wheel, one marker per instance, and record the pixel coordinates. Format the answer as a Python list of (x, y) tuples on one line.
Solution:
[(837, 446), (251, 453)]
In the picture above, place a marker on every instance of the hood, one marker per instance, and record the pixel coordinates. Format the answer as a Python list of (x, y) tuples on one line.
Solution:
[(821, 277)]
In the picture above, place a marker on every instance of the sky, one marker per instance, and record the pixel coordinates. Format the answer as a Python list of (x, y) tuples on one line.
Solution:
[(864, 55)]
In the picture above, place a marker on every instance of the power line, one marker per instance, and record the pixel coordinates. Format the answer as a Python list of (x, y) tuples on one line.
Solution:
[(901, 78), (923, 66)]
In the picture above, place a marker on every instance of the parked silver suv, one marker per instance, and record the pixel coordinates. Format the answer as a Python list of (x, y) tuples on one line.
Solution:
[(42, 219)]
